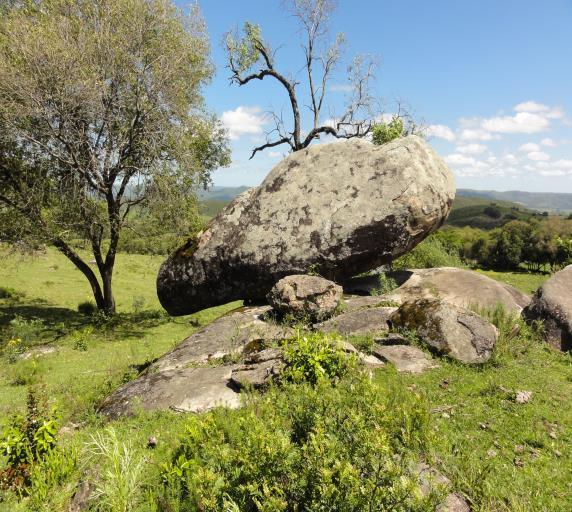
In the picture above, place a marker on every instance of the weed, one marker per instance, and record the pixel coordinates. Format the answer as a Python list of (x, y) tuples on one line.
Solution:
[(121, 470), (386, 284)]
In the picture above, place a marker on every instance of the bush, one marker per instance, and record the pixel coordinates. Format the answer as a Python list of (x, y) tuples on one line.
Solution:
[(87, 308), (386, 132), (313, 357), (431, 253), (302, 448), (386, 284), (25, 441)]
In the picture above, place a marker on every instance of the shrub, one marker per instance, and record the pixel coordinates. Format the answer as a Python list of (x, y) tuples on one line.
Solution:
[(26, 440), (302, 447), (386, 132), (312, 357), (430, 253), (28, 331), (87, 308), (386, 284)]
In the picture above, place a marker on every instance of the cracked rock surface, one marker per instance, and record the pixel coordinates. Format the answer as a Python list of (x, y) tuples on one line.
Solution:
[(339, 209)]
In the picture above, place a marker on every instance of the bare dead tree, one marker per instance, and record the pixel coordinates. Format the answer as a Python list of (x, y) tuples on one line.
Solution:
[(250, 58)]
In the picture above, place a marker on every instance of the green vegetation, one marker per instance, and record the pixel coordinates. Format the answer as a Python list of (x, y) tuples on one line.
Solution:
[(103, 128), (300, 443)]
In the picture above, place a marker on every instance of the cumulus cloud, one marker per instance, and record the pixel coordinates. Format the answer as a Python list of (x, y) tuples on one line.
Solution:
[(243, 121), (458, 159), (529, 146), (471, 149), (522, 122), (538, 156), (548, 143), (469, 134), (440, 131)]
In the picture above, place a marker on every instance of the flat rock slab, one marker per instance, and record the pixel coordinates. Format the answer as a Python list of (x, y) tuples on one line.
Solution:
[(340, 209), (405, 358), (370, 320), (230, 334), (355, 302), (457, 286), (184, 390), (552, 304)]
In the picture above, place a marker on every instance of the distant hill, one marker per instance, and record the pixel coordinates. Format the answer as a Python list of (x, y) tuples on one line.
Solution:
[(480, 212), (221, 193), (541, 201)]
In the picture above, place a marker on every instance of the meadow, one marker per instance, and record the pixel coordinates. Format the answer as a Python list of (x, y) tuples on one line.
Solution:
[(499, 453)]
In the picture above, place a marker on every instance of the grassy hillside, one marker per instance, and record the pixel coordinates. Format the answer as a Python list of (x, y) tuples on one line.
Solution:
[(500, 454), (483, 213)]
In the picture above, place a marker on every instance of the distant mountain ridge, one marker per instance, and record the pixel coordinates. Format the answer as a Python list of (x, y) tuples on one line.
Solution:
[(540, 201)]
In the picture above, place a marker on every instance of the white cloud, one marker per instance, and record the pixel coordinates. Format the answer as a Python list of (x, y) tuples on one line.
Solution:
[(531, 106), (441, 132), (563, 164), (469, 134), (529, 146), (551, 172), (538, 156), (510, 159), (471, 149), (548, 142), (458, 159), (522, 122), (243, 121)]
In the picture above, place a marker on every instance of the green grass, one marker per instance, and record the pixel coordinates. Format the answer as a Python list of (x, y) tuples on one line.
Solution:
[(524, 281), (502, 455)]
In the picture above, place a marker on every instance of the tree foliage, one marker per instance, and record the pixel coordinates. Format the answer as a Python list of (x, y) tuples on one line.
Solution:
[(101, 112)]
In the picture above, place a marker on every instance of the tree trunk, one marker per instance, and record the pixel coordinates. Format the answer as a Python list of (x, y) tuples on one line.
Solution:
[(108, 299), (85, 269)]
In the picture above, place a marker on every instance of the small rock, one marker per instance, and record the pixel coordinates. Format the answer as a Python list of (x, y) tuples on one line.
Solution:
[(446, 415), (370, 361), (491, 454), (81, 497), (523, 397), (405, 358), (305, 297), (152, 442), (518, 462), (257, 375), (363, 321), (483, 426), (454, 502), (553, 435), (558, 453), (519, 448)]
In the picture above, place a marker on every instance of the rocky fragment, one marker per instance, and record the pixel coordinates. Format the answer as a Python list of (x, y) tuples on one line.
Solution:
[(405, 358), (449, 329), (339, 209), (371, 320), (305, 297), (552, 304)]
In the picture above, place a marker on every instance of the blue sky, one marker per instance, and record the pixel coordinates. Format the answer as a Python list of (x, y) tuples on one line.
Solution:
[(491, 78)]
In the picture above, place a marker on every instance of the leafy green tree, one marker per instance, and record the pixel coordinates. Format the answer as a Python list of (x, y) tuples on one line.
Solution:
[(101, 112)]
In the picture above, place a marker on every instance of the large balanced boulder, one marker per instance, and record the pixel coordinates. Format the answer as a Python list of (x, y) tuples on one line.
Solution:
[(339, 209), (307, 297), (465, 288), (552, 304), (448, 329)]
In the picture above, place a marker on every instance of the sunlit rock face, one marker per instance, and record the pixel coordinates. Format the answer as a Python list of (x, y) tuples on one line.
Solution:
[(335, 209)]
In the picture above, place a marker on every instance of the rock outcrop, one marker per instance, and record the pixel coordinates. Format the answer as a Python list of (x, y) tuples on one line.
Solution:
[(340, 209), (455, 285), (448, 329), (305, 297), (405, 358), (552, 304)]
